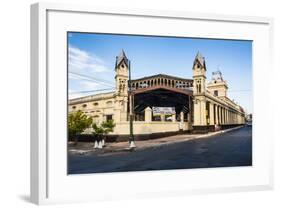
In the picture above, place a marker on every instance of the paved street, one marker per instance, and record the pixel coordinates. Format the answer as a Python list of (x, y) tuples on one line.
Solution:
[(229, 149)]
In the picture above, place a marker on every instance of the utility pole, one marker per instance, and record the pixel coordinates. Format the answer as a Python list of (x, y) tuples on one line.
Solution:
[(131, 137)]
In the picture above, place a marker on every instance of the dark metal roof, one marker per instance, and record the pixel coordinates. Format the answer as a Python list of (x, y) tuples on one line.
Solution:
[(162, 76), (171, 89)]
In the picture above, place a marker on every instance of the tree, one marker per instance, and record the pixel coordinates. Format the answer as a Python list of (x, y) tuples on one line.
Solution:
[(77, 123), (104, 129), (108, 126)]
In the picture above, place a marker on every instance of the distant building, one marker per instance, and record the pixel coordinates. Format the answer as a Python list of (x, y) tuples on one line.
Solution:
[(164, 103)]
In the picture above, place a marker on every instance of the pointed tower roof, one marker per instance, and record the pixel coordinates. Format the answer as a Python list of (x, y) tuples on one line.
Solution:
[(122, 56), (199, 58)]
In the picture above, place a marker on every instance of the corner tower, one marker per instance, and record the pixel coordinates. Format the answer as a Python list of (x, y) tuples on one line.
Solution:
[(122, 72), (199, 74), (199, 89), (121, 90)]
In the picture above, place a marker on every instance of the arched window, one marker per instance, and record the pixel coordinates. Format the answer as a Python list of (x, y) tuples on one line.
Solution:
[(109, 103), (84, 105), (95, 104)]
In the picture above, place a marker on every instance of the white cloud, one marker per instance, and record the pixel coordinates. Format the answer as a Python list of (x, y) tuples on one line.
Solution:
[(81, 61), (85, 68)]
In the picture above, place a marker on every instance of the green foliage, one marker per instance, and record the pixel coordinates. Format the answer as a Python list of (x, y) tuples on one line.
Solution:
[(97, 130), (108, 126), (77, 123), (104, 128)]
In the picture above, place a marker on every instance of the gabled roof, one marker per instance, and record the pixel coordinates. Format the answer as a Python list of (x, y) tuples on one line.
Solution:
[(122, 56)]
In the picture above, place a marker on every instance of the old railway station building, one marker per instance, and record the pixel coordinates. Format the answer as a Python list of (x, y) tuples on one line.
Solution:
[(163, 104)]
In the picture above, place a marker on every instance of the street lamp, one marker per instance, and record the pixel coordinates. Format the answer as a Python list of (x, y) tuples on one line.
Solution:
[(131, 137)]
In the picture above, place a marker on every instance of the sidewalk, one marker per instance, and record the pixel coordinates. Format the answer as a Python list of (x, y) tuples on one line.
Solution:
[(153, 143)]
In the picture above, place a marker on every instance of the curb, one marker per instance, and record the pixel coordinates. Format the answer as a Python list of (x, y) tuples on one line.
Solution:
[(119, 150), (196, 137), (218, 132)]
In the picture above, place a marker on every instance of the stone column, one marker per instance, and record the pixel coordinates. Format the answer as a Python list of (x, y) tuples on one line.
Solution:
[(226, 114), (223, 117), (219, 115), (203, 113), (181, 116), (196, 112), (211, 109), (162, 117), (216, 114), (173, 117), (148, 115), (200, 112)]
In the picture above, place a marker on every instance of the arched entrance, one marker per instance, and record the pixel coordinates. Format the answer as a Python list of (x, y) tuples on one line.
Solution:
[(174, 100)]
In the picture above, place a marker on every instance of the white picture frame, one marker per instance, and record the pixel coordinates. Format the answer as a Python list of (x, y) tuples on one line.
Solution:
[(49, 180)]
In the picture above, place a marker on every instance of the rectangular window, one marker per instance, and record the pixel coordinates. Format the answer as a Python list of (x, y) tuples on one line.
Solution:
[(109, 117), (216, 93)]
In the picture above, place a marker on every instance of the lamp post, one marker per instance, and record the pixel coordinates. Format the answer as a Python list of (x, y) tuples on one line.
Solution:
[(131, 137)]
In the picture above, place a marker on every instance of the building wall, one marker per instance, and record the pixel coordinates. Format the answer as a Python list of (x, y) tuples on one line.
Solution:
[(209, 108), (211, 104), (97, 108), (142, 127)]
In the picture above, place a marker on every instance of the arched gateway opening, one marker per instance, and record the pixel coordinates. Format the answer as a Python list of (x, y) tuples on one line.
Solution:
[(163, 108)]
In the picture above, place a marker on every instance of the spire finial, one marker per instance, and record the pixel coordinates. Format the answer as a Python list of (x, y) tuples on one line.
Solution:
[(122, 56), (200, 59)]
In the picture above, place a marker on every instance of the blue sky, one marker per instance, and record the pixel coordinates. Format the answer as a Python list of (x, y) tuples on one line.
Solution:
[(94, 55)]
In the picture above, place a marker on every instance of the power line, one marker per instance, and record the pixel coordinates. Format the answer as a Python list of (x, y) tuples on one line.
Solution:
[(87, 91), (89, 78), (248, 90)]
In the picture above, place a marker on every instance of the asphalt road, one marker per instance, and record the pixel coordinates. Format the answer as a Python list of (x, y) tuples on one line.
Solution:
[(229, 149)]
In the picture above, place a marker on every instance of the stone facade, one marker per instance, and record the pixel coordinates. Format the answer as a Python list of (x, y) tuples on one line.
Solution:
[(206, 104), (211, 104)]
